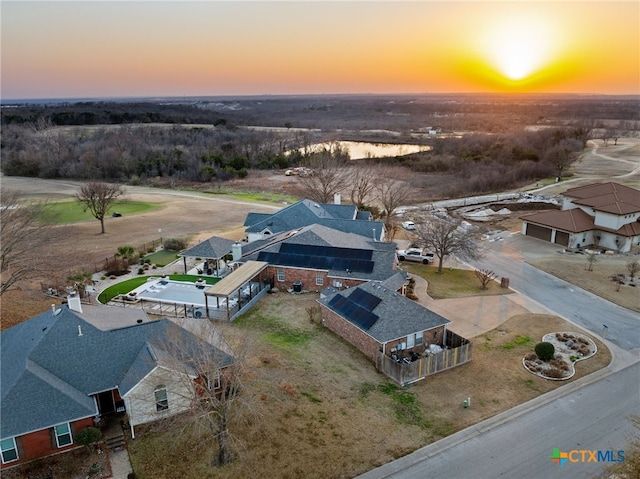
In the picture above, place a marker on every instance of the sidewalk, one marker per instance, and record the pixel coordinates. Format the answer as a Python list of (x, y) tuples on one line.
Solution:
[(120, 464)]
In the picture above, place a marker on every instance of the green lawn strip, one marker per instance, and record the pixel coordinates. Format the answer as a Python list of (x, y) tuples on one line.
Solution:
[(162, 257), (130, 284), (64, 212), (452, 283), (255, 196)]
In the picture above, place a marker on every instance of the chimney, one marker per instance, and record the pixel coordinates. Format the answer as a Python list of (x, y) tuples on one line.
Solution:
[(74, 303), (236, 251), (337, 199)]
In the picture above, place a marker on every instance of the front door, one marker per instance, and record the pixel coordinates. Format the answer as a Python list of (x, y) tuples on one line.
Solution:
[(106, 404)]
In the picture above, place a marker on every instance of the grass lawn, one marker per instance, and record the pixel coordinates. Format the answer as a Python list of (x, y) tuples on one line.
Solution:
[(452, 283), (65, 212), (316, 408), (254, 196), (130, 284), (162, 257)]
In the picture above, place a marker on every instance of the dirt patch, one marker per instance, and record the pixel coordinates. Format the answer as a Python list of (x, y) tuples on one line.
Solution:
[(75, 464)]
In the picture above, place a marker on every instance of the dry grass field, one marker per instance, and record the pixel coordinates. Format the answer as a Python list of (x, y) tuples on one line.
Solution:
[(319, 409), (574, 269)]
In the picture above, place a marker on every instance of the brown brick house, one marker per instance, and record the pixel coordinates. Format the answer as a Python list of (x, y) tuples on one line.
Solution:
[(405, 340), (316, 256)]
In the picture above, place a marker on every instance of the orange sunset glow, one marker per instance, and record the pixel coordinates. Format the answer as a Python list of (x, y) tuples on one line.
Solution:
[(155, 48)]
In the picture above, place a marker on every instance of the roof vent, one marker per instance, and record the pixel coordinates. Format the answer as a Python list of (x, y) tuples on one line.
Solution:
[(79, 330)]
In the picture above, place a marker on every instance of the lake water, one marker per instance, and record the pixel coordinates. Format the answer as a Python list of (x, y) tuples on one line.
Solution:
[(359, 150)]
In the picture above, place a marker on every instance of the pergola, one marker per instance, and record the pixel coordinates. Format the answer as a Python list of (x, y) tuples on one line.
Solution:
[(237, 287), (214, 248)]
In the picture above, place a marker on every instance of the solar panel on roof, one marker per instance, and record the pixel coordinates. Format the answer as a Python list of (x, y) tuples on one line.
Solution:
[(352, 311), (365, 299)]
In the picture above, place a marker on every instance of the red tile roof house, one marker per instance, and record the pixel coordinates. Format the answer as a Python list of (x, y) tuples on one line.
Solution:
[(603, 216), (61, 373)]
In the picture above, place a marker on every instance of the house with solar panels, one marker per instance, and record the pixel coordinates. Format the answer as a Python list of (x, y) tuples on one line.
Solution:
[(70, 367), (407, 341), (316, 256), (339, 217)]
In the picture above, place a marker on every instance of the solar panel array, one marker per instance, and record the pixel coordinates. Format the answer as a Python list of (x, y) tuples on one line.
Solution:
[(357, 308), (320, 257)]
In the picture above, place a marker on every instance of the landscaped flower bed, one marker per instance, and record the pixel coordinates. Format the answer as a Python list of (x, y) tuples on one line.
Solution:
[(569, 348)]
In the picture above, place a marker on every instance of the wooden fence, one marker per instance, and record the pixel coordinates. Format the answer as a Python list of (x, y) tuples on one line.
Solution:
[(457, 352)]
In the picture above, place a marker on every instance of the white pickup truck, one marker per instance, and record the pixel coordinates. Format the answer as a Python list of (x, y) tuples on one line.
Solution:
[(414, 254)]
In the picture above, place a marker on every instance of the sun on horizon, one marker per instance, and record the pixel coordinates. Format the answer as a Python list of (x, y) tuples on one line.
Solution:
[(519, 47)]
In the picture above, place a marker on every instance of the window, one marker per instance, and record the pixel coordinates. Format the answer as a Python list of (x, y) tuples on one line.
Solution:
[(9, 450), (414, 340), (213, 381), (63, 435), (319, 279), (162, 401), (280, 275)]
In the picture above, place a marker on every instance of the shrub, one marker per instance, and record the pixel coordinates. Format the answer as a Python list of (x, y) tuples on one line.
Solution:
[(174, 244), (531, 356), (545, 350), (554, 373), (88, 436)]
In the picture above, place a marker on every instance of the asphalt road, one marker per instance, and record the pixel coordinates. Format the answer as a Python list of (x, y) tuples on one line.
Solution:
[(564, 299), (588, 414), (582, 418)]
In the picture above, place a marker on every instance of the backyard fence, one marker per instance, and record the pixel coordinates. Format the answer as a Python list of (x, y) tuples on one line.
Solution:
[(60, 286), (457, 352)]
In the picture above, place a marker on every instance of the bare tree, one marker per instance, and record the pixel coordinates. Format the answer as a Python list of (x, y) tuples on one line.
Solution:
[(633, 267), (98, 198), (391, 194), (208, 384), (363, 182), (485, 276), (445, 237), (328, 176), (591, 260), (23, 233), (562, 155)]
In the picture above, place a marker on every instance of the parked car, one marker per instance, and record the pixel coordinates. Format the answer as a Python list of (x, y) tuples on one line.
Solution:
[(414, 254), (408, 225)]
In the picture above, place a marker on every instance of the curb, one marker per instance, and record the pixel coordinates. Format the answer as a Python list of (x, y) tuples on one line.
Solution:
[(426, 452)]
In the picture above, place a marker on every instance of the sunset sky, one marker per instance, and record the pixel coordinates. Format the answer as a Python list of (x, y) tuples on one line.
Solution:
[(81, 49)]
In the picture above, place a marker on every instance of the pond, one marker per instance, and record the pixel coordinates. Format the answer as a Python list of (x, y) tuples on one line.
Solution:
[(359, 150)]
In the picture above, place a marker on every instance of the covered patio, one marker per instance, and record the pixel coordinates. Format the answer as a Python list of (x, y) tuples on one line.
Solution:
[(212, 252), (237, 291)]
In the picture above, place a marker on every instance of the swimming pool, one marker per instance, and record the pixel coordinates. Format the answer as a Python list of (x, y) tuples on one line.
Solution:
[(176, 292)]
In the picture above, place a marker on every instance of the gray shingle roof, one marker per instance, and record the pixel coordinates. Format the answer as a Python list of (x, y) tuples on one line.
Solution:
[(305, 212), (49, 370), (398, 316), (214, 247), (382, 254)]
